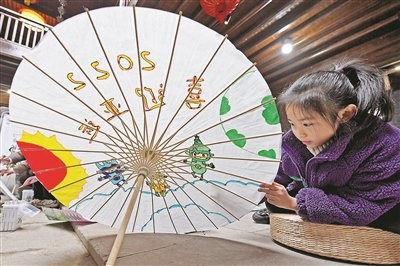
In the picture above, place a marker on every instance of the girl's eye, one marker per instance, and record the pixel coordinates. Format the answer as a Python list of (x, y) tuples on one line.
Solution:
[(307, 125)]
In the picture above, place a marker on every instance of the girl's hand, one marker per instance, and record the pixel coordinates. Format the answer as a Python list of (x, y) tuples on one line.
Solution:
[(277, 195)]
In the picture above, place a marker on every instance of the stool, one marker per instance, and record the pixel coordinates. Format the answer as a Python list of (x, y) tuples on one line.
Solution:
[(352, 243)]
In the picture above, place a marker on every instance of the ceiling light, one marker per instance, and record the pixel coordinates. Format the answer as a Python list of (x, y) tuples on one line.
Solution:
[(287, 46), (397, 68), (32, 18)]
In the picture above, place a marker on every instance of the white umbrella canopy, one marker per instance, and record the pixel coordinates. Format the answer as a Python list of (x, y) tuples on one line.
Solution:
[(139, 105)]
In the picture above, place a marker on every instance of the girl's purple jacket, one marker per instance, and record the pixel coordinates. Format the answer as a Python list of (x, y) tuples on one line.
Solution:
[(353, 181)]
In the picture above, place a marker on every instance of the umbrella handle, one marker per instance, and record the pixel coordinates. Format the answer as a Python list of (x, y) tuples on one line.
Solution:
[(121, 233)]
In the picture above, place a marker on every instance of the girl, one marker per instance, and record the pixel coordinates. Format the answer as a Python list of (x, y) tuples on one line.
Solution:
[(341, 159)]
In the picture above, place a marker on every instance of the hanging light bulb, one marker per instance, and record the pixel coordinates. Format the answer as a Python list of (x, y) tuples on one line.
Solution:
[(287, 46)]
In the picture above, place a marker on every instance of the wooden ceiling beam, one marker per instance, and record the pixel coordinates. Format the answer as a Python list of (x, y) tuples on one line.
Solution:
[(256, 51), (309, 37), (159, 4), (330, 50), (274, 15), (233, 27), (181, 6), (377, 48)]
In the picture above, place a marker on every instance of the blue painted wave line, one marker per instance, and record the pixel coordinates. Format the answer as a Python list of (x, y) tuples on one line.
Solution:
[(172, 190), (179, 206)]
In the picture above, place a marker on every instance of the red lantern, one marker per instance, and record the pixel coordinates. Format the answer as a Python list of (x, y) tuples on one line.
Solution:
[(219, 9)]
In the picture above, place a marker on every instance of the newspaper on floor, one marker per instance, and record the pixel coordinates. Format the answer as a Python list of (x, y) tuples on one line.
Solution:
[(64, 215)]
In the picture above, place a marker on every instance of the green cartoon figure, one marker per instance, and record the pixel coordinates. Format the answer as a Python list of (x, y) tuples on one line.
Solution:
[(199, 155)]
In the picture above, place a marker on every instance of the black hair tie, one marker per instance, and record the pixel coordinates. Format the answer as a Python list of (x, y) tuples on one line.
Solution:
[(351, 74)]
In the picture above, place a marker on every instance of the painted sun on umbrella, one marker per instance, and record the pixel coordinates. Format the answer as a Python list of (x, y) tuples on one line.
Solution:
[(42, 152)]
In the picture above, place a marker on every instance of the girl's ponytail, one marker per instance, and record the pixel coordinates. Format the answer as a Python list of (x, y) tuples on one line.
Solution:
[(372, 90)]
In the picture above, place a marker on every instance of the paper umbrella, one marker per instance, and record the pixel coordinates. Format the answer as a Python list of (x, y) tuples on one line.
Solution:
[(146, 120)]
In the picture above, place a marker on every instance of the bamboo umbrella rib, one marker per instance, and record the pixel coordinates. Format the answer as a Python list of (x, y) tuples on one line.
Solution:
[(208, 104), (219, 157), (124, 158), (242, 177), (164, 161), (116, 130), (153, 213), (145, 137), (187, 195), (237, 158), (104, 204), (118, 85), (109, 153), (72, 183), (183, 210), (169, 215), (177, 172), (166, 79), (71, 118), (222, 207), (75, 181), (222, 172), (63, 133), (66, 167), (66, 90), (66, 150), (227, 190), (87, 195), (73, 59), (230, 140), (125, 201), (224, 121), (162, 164), (111, 196), (171, 162), (217, 124), (231, 192), (190, 91), (138, 143), (112, 70), (125, 161), (138, 206)]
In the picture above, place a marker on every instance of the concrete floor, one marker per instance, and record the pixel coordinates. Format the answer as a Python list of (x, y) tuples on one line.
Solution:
[(43, 242)]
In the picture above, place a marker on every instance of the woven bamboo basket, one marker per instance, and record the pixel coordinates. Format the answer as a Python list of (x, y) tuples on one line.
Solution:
[(351, 243)]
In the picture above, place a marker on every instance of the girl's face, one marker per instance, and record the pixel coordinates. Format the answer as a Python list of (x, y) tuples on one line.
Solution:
[(311, 129)]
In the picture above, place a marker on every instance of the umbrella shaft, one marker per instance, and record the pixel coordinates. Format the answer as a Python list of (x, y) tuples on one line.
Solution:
[(121, 233)]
